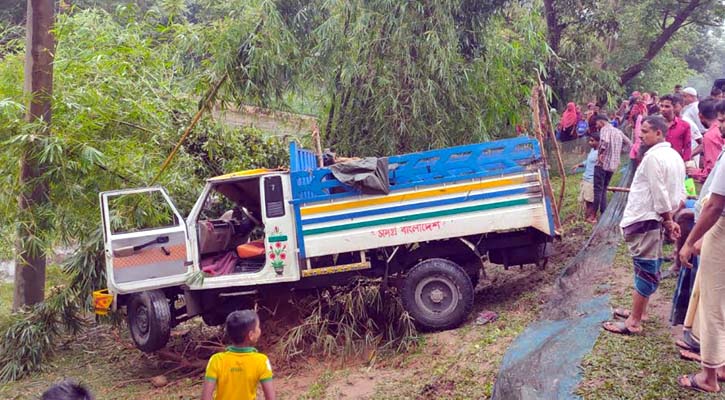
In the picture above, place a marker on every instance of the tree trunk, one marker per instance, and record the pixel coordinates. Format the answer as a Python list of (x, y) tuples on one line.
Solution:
[(30, 261), (659, 42), (553, 29), (553, 38)]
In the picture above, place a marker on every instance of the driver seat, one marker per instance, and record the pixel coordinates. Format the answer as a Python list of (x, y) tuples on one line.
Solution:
[(251, 250)]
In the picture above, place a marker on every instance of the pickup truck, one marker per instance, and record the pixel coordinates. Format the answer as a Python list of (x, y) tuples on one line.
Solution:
[(258, 232)]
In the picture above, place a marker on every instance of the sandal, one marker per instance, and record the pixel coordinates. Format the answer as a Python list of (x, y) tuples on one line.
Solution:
[(624, 313), (690, 356), (685, 346), (693, 385), (619, 327)]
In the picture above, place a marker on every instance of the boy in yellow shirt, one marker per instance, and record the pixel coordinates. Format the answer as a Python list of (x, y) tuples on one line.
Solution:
[(235, 373)]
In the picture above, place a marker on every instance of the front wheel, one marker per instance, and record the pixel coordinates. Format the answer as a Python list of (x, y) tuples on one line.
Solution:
[(438, 294), (149, 320)]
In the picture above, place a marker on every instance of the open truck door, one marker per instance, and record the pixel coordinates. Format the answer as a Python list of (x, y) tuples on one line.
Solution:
[(145, 239)]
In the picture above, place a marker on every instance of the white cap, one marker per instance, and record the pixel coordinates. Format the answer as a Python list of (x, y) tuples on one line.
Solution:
[(690, 90)]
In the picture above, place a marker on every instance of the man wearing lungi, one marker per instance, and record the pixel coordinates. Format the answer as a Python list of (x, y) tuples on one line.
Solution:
[(709, 235), (657, 189)]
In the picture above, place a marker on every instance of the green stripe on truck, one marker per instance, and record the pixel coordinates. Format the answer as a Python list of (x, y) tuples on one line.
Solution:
[(415, 217)]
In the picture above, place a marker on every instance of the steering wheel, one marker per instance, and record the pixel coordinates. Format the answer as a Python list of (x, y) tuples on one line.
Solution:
[(249, 215)]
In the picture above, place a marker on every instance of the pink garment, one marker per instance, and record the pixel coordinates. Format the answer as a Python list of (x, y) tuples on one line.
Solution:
[(712, 144), (569, 117), (637, 140), (220, 265)]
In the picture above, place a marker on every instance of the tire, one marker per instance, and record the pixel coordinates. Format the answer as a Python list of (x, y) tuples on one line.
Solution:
[(475, 278), (149, 320), (438, 294), (212, 318)]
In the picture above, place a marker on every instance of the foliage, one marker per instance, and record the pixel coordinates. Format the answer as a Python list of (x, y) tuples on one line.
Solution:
[(351, 320), (120, 104), (598, 43)]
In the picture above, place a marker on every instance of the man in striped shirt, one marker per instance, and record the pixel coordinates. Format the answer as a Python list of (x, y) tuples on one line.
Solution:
[(611, 140)]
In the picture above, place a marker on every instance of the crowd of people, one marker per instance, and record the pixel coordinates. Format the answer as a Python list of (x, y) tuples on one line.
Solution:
[(673, 140)]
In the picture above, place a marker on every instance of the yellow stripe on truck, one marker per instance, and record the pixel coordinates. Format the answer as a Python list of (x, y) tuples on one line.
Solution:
[(439, 191)]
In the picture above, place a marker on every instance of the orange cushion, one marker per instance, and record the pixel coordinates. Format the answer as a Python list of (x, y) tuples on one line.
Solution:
[(251, 249)]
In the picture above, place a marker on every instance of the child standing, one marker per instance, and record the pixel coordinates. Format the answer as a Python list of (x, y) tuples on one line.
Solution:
[(235, 373), (586, 194)]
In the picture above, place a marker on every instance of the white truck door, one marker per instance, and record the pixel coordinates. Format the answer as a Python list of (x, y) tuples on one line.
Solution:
[(145, 240)]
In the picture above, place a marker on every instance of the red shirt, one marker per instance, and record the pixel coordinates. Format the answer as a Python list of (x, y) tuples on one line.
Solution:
[(678, 135), (712, 144)]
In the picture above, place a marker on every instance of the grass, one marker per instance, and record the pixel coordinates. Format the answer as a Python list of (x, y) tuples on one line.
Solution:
[(640, 366)]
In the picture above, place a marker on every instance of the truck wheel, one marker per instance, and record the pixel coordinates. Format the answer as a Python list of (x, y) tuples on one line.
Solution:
[(438, 294), (149, 320), (212, 318)]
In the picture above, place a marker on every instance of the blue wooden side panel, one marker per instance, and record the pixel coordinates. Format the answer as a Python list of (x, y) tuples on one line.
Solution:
[(431, 167), (301, 160)]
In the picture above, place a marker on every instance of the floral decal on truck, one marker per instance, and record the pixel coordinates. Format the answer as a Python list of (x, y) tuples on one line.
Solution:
[(277, 253)]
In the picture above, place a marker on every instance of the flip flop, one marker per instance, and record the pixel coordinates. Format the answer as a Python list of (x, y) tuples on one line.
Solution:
[(618, 327), (693, 384), (624, 313), (684, 346), (690, 356)]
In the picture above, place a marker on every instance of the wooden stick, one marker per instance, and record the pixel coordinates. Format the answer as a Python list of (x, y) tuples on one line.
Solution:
[(205, 105), (552, 136), (626, 190)]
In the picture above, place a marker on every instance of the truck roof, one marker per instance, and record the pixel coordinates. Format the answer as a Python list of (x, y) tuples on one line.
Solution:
[(249, 173)]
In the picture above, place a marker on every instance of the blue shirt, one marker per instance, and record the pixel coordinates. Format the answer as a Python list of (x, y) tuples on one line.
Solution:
[(589, 165)]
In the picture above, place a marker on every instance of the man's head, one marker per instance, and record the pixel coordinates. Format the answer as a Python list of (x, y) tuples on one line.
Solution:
[(706, 109), (720, 108), (593, 140), (689, 95), (67, 390), (653, 130), (601, 121), (678, 88), (668, 103), (716, 93), (243, 327)]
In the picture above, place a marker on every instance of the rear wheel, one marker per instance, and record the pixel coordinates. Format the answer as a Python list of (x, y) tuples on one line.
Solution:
[(438, 294), (149, 320)]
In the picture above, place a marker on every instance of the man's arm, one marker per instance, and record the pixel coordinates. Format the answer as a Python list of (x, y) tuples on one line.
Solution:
[(268, 389), (661, 196), (625, 139), (207, 390)]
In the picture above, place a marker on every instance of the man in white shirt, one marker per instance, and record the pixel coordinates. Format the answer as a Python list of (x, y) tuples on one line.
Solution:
[(689, 98), (657, 189)]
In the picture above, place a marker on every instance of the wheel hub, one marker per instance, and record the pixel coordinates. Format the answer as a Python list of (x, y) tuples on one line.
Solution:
[(437, 296), (142, 319)]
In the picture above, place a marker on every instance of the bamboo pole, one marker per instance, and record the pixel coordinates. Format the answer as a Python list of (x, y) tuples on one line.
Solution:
[(318, 144), (205, 105), (552, 137), (539, 136)]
